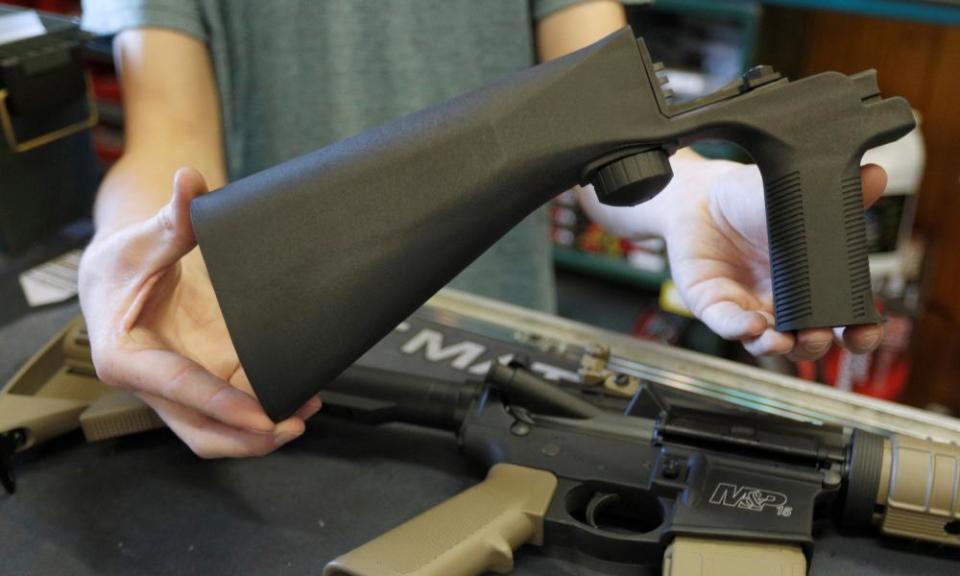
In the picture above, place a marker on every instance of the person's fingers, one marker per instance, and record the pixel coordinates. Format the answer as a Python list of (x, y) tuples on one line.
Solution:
[(862, 339), (724, 305), (770, 343), (729, 320), (811, 344), (209, 438), (309, 409), (240, 380), (172, 223), (169, 375), (873, 180), (187, 185), (166, 237), (291, 428)]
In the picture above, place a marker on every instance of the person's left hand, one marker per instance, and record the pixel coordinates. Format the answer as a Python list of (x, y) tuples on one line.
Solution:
[(713, 219), (719, 260), (156, 329)]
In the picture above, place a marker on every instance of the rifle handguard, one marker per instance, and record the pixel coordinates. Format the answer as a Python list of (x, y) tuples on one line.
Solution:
[(472, 533), (920, 490)]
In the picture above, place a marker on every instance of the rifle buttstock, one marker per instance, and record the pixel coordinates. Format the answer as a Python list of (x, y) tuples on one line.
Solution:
[(474, 532), (58, 390)]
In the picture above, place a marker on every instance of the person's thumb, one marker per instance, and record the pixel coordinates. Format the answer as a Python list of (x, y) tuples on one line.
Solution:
[(166, 237), (873, 179)]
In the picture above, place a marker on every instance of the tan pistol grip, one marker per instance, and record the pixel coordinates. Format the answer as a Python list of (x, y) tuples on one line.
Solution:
[(920, 490), (474, 532), (694, 556)]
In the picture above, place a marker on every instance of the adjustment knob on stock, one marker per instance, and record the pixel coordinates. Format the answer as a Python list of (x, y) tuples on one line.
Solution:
[(633, 179)]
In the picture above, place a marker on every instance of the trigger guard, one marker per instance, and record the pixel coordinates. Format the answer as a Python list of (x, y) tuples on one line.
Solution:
[(597, 503)]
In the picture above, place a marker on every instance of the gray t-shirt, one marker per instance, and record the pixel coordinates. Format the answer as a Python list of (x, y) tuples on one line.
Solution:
[(295, 75)]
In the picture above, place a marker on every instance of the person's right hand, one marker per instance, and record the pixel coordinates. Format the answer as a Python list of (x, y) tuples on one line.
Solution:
[(155, 328)]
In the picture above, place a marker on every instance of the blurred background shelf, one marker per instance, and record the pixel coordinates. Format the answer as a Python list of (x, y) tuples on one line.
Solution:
[(932, 11), (607, 268)]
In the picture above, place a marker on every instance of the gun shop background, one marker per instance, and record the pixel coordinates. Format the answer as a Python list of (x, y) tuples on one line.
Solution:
[(608, 281)]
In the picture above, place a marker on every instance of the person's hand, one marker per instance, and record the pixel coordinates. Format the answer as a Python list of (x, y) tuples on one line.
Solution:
[(716, 236), (155, 328)]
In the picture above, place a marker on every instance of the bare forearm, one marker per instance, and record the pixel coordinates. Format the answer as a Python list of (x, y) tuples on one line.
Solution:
[(172, 120), (578, 26)]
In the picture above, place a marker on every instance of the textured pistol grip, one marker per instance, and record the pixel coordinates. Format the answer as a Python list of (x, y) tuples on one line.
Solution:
[(920, 489), (472, 533), (818, 281)]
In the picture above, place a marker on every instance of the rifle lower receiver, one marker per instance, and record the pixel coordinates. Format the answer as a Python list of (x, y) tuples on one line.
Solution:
[(632, 490)]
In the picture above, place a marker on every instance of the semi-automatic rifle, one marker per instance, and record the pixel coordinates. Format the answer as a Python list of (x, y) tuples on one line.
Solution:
[(608, 469), (673, 478)]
